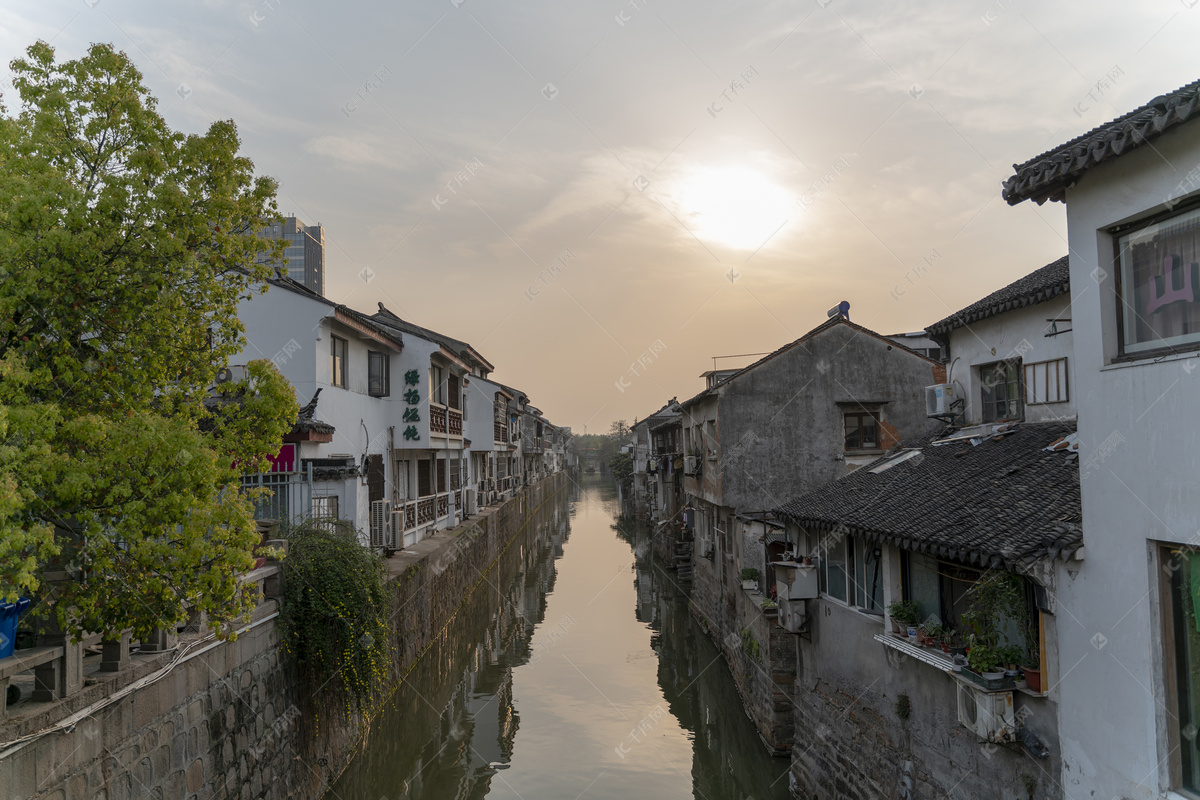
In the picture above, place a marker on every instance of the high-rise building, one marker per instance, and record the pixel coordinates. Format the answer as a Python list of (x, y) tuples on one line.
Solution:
[(305, 252)]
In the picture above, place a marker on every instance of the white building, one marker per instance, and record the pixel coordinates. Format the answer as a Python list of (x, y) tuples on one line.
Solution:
[(388, 444), (1009, 354), (1129, 633)]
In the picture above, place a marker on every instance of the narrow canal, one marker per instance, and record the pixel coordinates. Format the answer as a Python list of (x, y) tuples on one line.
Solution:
[(577, 672)]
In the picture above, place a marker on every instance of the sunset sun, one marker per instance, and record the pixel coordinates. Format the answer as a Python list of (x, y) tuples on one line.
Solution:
[(735, 206)]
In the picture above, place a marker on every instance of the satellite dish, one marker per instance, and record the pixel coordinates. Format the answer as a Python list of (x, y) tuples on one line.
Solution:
[(842, 309)]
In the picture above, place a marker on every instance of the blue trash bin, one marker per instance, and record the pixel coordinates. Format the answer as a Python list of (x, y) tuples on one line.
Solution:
[(9, 614)]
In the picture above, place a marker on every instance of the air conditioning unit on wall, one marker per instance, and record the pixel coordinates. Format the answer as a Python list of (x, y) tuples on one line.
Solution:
[(792, 615), (938, 399), (396, 531), (704, 548), (691, 465), (380, 511), (988, 714)]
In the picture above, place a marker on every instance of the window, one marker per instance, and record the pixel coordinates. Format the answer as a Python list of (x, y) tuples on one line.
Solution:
[(1159, 285), (441, 475), (710, 438), (862, 430), (400, 483), (325, 507), (437, 389), (424, 477), (455, 467), (455, 394), (1046, 382), (1001, 390), (378, 374), (337, 366), (851, 570)]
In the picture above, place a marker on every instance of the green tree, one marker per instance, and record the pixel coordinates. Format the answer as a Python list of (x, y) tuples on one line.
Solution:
[(125, 248)]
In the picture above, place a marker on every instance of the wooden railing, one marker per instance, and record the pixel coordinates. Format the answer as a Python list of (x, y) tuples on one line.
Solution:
[(425, 510), (437, 418), (456, 422), (458, 499), (443, 505)]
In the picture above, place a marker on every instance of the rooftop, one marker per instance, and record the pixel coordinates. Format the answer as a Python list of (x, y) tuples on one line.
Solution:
[(1037, 287), (1000, 499), (824, 326), (1049, 175)]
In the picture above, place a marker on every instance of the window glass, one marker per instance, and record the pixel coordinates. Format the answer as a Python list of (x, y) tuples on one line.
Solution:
[(1000, 390), (862, 430), (325, 507), (337, 367), (868, 575), (378, 374), (1160, 284), (923, 583), (833, 565)]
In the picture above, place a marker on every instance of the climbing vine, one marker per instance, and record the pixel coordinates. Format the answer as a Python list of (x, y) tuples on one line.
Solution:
[(334, 613)]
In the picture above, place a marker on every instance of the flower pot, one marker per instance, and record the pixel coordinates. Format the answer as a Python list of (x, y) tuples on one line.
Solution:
[(897, 628), (993, 676), (946, 648), (750, 585), (1033, 678)]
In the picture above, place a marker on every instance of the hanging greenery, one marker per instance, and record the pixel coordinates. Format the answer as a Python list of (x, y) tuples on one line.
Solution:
[(334, 610)]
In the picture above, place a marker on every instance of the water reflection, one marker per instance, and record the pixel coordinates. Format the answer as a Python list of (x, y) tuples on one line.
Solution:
[(577, 672)]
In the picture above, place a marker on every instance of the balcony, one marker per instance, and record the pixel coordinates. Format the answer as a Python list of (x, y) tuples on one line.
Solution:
[(456, 422)]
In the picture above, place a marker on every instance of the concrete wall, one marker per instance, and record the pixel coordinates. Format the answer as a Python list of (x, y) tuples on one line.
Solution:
[(851, 743), (781, 425), (1137, 475), (231, 722)]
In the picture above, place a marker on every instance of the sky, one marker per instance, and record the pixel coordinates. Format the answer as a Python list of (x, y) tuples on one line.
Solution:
[(602, 197)]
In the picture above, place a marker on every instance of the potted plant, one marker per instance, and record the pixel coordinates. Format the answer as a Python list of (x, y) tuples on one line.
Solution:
[(1033, 674), (1010, 656), (750, 578), (903, 613), (984, 659), (934, 633)]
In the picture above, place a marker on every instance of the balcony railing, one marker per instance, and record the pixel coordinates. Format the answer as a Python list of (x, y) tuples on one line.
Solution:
[(437, 418), (458, 499), (456, 421), (425, 510), (443, 505)]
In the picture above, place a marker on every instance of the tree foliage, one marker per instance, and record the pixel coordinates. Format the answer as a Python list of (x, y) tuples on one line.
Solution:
[(125, 248)]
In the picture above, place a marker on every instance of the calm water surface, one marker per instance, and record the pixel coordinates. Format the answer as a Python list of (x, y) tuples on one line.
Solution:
[(578, 673)]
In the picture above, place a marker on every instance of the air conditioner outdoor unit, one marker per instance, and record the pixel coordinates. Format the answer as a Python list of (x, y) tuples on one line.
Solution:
[(792, 614), (691, 465), (469, 508), (795, 581), (380, 512), (988, 714), (938, 399), (705, 548), (234, 372), (396, 531)]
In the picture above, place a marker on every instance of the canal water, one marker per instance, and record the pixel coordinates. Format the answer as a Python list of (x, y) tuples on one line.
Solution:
[(576, 672)]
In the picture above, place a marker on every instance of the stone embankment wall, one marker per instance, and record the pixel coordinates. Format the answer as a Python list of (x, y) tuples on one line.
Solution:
[(228, 720)]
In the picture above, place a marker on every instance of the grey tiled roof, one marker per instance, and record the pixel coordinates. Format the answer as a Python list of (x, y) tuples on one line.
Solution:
[(387, 319), (1004, 502), (1036, 287), (1047, 176)]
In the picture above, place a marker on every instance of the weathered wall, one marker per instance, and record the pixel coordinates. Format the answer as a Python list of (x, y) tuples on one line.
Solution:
[(229, 722), (851, 744), (781, 430)]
